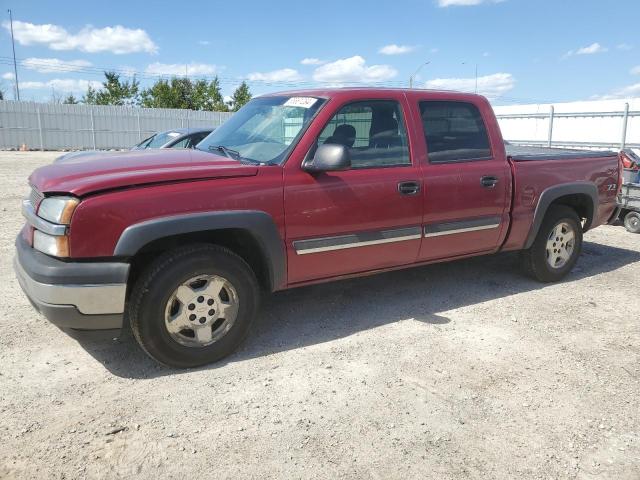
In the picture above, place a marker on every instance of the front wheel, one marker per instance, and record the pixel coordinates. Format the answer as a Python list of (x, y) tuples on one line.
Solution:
[(557, 246), (193, 305), (632, 222)]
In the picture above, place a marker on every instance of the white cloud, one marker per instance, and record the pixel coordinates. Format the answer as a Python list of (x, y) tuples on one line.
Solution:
[(7, 76), (204, 43), (591, 49), (624, 47), (49, 65), (635, 70), (62, 85), (588, 50), (180, 70), (116, 39), (491, 86), (464, 3), (282, 75), (624, 92), (353, 69), (394, 49), (312, 61)]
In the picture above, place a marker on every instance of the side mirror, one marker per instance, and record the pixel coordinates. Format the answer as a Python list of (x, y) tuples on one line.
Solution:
[(329, 157)]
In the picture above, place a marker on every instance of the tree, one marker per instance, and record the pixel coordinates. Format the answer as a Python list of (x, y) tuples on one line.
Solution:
[(114, 91), (241, 96), (207, 96), (184, 93), (56, 98), (164, 93), (70, 100), (90, 97)]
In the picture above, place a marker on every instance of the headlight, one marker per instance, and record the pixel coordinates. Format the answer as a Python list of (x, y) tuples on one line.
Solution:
[(58, 209), (57, 246)]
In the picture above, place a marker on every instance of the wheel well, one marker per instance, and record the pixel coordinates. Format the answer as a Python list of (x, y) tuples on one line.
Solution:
[(239, 241), (581, 203)]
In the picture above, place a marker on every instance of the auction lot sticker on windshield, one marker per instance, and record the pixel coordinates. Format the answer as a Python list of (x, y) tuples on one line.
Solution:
[(304, 102)]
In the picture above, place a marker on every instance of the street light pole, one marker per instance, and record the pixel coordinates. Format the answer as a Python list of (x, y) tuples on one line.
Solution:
[(476, 76), (15, 65), (411, 78)]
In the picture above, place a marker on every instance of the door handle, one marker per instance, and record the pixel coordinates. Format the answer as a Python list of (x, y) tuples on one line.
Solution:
[(488, 181), (408, 188)]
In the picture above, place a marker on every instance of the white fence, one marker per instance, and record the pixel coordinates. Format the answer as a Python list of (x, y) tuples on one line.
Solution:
[(601, 124), (611, 124), (56, 127)]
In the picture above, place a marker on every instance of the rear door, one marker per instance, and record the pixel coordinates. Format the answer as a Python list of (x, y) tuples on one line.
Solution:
[(467, 180), (362, 219)]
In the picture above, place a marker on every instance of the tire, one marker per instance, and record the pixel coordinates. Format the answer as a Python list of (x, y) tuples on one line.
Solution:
[(552, 266), (159, 306), (632, 222)]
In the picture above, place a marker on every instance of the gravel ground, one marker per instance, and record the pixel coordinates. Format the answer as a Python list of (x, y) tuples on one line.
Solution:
[(464, 370)]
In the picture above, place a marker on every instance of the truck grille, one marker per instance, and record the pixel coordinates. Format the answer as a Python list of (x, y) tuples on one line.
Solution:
[(35, 197)]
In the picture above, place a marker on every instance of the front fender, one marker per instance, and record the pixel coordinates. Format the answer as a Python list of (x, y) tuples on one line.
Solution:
[(259, 224)]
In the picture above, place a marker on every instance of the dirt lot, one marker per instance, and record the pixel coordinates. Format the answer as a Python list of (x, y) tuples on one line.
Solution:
[(464, 370)]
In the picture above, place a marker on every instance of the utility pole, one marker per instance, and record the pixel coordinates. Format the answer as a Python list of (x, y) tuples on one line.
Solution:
[(411, 78), (15, 65)]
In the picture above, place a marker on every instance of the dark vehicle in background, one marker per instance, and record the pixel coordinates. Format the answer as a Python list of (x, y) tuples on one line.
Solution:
[(175, 138)]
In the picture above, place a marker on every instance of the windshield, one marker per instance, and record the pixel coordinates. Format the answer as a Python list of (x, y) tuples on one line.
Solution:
[(265, 129)]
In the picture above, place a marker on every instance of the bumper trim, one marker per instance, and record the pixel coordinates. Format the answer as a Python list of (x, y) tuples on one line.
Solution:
[(89, 299), (68, 317)]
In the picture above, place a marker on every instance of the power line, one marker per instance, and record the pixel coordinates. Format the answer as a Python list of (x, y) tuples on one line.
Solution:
[(69, 67), (73, 68)]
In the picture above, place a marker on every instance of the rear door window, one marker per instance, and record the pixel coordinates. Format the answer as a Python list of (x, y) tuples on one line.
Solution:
[(454, 132)]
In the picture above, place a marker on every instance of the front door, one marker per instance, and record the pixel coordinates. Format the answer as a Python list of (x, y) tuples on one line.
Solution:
[(362, 219)]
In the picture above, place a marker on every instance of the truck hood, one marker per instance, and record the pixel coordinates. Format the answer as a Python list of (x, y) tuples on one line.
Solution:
[(114, 170)]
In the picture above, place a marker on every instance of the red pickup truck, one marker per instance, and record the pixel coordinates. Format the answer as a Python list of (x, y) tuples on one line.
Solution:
[(296, 188)]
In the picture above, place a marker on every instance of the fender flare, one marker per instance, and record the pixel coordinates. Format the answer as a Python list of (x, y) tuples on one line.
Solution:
[(548, 196), (259, 224)]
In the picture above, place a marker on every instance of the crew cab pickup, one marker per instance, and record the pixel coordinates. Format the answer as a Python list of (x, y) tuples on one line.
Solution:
[(296, 188)]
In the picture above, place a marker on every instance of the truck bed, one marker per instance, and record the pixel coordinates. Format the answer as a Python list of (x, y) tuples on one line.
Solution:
[(525, 153)]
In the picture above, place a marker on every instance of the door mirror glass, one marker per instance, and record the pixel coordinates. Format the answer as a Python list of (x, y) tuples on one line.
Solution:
[(330, 157)]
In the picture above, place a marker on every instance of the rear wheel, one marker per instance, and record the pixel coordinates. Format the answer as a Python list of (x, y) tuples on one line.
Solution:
[(193, 305), (632, 222), (557, 246)]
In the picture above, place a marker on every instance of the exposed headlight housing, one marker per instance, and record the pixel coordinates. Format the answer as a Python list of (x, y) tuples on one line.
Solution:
[(55, 245), (58, 209)]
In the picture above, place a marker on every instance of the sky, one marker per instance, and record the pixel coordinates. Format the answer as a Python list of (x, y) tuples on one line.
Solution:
[(524, 51)]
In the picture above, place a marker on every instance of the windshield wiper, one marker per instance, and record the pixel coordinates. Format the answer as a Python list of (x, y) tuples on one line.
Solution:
[(227, 151)]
